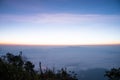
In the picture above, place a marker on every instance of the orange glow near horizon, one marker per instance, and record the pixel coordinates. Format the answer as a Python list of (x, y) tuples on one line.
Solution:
[(48, 44)]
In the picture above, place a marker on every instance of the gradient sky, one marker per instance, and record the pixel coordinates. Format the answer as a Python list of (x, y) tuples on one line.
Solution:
[(60, 22)]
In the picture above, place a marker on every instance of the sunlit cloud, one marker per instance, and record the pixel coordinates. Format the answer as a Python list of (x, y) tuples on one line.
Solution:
[(60, 18)]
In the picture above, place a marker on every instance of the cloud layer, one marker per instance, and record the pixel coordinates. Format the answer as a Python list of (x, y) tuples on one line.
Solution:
[(60, 18)]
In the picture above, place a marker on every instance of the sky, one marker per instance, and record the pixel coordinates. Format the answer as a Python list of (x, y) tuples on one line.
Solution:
[(60, 22)]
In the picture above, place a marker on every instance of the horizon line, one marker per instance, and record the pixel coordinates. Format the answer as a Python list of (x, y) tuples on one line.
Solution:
[(13, 44)]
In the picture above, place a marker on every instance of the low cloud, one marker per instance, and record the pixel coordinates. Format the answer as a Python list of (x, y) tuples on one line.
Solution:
[(60, 18)]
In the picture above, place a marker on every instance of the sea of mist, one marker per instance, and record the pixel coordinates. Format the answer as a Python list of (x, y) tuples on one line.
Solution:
[(84, 59)]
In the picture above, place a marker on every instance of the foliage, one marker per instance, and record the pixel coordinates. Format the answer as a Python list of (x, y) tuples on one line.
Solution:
[(113, 74), (14, 67)]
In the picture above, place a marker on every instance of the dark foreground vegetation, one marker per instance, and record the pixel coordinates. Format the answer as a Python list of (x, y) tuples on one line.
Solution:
[(113, 74), (15, 67)]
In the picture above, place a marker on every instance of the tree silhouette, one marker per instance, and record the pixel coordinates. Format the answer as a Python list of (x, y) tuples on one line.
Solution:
[(13, 67), (113, 74)]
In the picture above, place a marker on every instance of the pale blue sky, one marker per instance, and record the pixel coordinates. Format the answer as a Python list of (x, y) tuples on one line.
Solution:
[(59, 22)]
